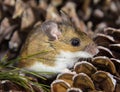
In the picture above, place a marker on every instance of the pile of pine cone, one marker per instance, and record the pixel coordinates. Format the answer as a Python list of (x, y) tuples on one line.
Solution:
[(101, 73)]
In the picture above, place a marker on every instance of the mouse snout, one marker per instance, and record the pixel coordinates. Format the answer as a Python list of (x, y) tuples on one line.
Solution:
[(92, 49)]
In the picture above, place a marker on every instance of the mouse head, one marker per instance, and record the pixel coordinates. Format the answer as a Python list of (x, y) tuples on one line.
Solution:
[(67, 37), (65, 45)]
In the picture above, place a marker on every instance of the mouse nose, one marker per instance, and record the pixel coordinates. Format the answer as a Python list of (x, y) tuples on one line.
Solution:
[(92, 49)]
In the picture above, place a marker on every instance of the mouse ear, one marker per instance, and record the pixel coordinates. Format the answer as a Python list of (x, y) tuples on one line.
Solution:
[(50, 28), (65, 18)]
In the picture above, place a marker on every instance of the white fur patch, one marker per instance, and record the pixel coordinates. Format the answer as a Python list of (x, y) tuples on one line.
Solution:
[(63, 61)]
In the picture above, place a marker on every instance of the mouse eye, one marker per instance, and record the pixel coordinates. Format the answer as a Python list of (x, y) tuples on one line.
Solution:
[(75, 42)]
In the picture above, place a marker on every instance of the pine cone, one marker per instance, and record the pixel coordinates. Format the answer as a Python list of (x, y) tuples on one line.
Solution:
[(109, 45)]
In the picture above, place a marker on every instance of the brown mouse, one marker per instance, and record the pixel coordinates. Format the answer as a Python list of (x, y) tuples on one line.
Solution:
[(60, 45)]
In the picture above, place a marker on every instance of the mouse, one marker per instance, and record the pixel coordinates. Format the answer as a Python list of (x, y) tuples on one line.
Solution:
[(60, 46)]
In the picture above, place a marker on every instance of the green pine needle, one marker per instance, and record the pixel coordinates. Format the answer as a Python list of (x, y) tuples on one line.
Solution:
[(23, 81), (16, 78), (9, 72)]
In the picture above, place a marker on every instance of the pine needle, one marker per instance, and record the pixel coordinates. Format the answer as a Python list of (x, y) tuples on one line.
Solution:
[(16, 78), (9, 72)]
